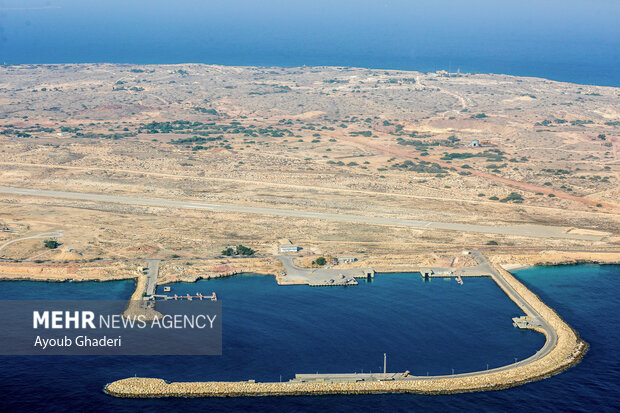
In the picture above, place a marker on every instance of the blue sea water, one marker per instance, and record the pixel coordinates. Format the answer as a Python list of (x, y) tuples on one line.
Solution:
[(271, 331), (568, 40)]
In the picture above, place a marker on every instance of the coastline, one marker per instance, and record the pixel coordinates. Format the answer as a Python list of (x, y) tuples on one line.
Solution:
[(604, 82), (102, 271), (69, 271)]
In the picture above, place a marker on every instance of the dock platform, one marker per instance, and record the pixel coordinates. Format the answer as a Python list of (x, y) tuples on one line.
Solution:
[(526, 322), (347, 377)]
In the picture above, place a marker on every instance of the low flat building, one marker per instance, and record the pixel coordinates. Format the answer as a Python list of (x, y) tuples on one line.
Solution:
[(288, 248)]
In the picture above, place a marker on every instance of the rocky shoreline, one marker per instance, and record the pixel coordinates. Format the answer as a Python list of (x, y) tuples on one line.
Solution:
[(106, 271)]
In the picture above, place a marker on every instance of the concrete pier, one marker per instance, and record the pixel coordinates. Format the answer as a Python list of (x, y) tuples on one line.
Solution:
[(152, 271), (320, 277), (145, 287)]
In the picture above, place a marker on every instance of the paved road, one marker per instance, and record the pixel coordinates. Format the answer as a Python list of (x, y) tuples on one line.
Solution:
[(43, 235), (317, 276), (526, 230), (552, 337), (151, 276), (550, 343)]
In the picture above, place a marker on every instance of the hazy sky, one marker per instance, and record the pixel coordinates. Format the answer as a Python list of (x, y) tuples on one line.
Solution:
[(312, 32)]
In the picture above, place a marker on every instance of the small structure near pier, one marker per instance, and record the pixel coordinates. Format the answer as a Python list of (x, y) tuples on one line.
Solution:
[(288, 248), (368, 273), (426, 273), (526, 322)]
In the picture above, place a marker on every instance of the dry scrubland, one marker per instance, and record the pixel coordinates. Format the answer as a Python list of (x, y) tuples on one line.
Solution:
[(551, 257), (192, 270), (343, 140)]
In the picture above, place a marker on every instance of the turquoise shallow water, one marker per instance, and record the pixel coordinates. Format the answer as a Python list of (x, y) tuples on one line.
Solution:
[(271, 330)]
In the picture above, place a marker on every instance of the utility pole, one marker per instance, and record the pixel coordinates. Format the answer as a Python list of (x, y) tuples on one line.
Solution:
[(384, 364)]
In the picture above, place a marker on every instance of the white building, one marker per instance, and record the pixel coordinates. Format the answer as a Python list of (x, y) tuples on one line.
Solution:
[(289, 248)]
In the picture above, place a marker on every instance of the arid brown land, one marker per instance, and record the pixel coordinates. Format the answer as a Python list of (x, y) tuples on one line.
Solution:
[(480, 149)]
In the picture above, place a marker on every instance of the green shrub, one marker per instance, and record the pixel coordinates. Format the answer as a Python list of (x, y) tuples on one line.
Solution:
[(320, 261), (241, 250), (51, 244), (514, 197)]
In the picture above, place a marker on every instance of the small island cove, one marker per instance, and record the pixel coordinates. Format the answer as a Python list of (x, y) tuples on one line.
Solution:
[(563, 348)]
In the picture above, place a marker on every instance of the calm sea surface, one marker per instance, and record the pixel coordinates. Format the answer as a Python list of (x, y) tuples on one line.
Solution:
[(271, 331), (574, 41)]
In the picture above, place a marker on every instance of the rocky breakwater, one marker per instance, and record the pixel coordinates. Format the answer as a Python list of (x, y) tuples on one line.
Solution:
[(565, 350)]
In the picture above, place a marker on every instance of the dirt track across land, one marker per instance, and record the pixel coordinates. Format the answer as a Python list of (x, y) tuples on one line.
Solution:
[(536, 231)]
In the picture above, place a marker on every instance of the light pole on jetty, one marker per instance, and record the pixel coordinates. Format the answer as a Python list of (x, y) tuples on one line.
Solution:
[(384, 365)]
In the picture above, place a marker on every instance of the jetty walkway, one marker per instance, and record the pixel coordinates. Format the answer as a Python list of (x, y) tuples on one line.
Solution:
[(152, 271), (562, 349)]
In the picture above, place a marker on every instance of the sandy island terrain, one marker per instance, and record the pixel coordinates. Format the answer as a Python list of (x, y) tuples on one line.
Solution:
[(151, 172), (456, 150)]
